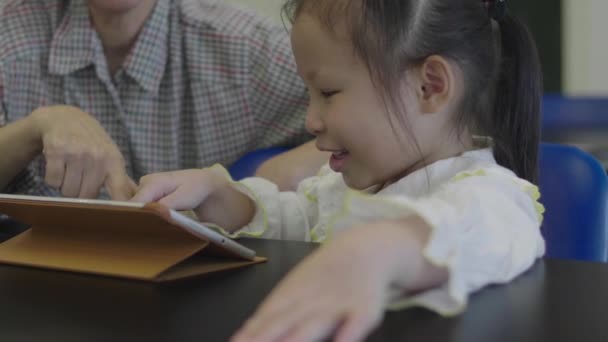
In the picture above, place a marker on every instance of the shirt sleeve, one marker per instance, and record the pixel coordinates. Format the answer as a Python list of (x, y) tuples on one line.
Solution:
[(276, 92), (28, 181), (485, 230), (279, 215)]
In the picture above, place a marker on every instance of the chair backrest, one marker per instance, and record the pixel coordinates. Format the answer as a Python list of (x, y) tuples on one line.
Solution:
[(561, 113), (574, 189)]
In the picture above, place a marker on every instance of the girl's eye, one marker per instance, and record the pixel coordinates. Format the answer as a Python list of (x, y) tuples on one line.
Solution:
[(328, 93)]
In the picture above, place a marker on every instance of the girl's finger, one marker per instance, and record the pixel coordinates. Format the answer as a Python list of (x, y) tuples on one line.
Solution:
[(286, 296), (153, 191), (274, 325), (181, 199), (316, 327), (358, 325)]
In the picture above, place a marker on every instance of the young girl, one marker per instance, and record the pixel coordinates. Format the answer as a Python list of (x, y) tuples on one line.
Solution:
[(430, 110)]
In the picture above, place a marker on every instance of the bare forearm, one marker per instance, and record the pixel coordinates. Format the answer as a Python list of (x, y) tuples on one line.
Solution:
[(227, 207), (406, 239), (19, 143), (288, 169)]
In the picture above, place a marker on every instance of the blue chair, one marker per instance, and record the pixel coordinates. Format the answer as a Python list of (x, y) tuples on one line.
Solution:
[(573, 188), (562, 113), (574, 191), (249, 163), (580, 119)]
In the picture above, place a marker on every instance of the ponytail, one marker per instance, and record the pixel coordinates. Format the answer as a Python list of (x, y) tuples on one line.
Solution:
[(516, 124)]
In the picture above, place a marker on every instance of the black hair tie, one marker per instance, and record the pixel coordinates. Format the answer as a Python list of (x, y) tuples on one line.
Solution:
[(496, 8)]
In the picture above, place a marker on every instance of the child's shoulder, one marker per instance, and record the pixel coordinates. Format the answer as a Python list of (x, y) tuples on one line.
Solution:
[(474, 163), (479, 170), (472, 166)]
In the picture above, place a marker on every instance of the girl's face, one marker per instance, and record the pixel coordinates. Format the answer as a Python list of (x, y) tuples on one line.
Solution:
[(347, 115)]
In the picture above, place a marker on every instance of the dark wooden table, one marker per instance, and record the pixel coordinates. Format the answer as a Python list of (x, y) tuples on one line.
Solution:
[(555, 301)]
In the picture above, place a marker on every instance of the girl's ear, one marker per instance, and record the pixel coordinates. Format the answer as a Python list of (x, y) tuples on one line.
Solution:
[(435, 84)]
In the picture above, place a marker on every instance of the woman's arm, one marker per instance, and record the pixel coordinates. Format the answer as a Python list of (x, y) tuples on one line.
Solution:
[(19, 144), (287, 169)]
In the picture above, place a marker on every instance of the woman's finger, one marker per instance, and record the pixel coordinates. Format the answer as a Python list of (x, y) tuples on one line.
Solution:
[(72, 181), (54, 173), (92, 179)]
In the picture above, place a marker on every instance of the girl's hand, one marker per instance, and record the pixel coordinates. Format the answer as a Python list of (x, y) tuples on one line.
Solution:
[(180, 190), (342, 289), (205, 191)]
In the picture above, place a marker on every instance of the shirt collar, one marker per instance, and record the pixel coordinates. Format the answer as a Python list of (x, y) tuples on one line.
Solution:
[(147, 61), (72, 45)]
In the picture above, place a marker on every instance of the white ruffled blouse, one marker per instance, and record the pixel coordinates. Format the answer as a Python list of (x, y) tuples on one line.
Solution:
[(485, 220)]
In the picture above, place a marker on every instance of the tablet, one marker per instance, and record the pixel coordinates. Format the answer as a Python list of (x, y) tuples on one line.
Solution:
[(184, 222)]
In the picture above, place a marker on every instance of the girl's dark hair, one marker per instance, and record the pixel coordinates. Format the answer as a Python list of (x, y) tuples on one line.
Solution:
[(498, 60)]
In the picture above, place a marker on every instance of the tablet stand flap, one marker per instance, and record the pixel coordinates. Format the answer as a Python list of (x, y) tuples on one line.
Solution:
[(126, 242), (123, 256), (202, 264)]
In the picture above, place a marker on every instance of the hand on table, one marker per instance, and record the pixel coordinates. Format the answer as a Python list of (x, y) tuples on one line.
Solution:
[(342, 289)]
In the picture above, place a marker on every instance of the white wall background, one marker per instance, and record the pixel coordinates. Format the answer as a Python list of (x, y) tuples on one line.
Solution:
[(585, 42), (270, 8)]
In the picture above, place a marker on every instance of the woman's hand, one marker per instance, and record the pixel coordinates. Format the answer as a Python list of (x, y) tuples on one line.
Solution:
[(342, 289), (80, 156)]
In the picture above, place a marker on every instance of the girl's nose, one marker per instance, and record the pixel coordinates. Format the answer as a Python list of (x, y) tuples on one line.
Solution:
[(314, 124)]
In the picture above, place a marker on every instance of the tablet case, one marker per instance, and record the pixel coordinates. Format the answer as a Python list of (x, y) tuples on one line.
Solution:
[(136, 243)]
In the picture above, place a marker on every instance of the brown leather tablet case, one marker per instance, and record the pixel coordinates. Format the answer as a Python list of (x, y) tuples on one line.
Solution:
[(136, 243)]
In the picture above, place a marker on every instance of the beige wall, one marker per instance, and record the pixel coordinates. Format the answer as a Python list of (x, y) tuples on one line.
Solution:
[(585, 47), (271, 8)]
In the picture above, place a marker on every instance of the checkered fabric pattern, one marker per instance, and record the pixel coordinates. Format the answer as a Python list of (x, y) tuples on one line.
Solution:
[(205, 82)]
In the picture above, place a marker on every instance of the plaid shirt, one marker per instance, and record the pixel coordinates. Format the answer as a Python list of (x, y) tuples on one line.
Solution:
[(204, 82)]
